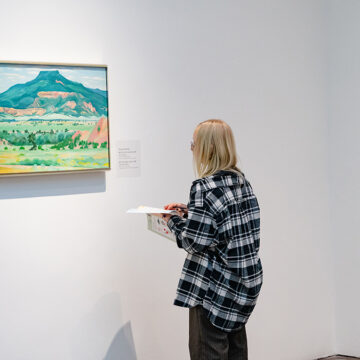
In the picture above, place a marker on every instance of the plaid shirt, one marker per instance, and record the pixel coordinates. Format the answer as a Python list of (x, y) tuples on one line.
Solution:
[(222, 271)]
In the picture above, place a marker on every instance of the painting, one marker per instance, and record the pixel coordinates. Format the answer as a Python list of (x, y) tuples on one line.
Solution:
[(53, 118)]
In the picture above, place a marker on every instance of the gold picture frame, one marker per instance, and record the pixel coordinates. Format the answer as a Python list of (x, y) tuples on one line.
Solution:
[(54, 118)]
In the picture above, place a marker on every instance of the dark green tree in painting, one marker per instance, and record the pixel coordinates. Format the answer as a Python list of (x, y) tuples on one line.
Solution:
[(32, 141)]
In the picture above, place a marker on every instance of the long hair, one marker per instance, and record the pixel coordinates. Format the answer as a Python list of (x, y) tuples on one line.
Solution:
[(214, 148)]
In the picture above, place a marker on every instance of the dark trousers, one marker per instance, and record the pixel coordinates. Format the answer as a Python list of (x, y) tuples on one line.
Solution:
[(207, 342)]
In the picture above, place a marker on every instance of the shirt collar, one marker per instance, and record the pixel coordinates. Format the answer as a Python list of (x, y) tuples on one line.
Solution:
[(222, 178)]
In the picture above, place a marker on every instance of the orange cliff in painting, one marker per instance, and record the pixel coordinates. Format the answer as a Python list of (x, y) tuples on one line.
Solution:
[(54, 94), (89, 106), (99, 133), (21, 112)]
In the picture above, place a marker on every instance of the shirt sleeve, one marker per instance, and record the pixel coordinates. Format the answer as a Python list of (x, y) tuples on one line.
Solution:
[(199, 231)]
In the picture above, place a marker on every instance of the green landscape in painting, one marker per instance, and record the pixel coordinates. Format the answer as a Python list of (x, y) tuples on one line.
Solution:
[(52, 123)]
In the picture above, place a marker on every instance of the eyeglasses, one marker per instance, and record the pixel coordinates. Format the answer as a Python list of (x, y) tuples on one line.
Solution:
[(192, 145)]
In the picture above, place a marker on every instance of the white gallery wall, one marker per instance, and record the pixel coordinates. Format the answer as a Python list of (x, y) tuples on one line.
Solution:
[(82, 280), (344, 155)]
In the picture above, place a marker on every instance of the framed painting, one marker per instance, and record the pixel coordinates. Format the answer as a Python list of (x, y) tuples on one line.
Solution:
[(53, 118)]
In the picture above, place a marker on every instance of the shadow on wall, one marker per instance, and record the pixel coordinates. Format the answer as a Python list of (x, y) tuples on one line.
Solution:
[(15, 187), (100, 332), (122, 347)]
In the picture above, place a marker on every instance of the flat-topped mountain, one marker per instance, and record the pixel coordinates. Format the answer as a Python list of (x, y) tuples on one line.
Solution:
[(52, 96)]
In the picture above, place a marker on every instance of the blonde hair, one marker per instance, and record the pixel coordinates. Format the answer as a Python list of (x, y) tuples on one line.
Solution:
[(214, 148)]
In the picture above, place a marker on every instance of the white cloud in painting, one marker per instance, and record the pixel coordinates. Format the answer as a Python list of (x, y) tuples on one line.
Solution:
[(14, 75), (9, 79), (92, 78), (32, 72)]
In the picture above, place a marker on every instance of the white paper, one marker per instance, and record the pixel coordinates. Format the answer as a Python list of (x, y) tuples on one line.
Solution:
[(128, 158), (149, 210)]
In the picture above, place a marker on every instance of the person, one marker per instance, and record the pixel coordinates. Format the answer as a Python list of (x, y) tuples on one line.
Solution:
[(219, 229)]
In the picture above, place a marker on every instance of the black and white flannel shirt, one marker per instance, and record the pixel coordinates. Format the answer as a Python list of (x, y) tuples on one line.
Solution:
[(222, 271)]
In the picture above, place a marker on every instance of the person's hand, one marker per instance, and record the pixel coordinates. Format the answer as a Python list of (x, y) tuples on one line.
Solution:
[(165, 217), (181, 210), (179, 207)]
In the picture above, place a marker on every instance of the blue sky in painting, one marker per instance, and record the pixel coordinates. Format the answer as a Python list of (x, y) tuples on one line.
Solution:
[(12, 74)]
